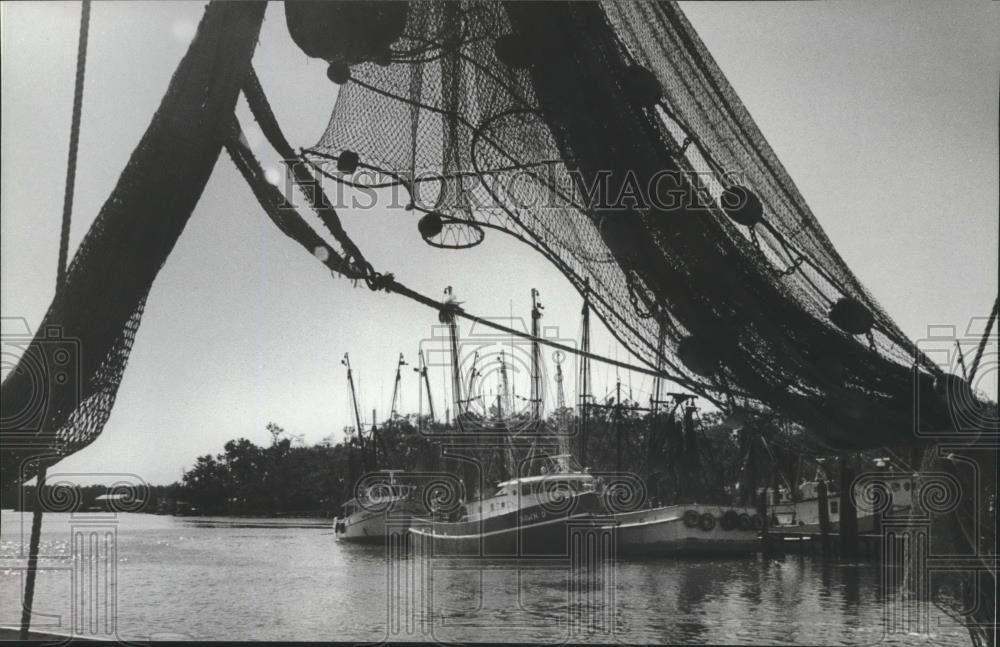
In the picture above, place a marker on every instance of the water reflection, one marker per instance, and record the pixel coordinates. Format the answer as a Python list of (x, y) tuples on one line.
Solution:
[(260, 579)]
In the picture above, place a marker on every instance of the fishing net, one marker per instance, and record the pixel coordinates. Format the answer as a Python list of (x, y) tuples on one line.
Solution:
[(59, 392), (532, 119)]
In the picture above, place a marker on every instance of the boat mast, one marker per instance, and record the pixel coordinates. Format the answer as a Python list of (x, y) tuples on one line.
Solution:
[(375, 442), (661, 344), (504, 395), (618, 426), (393, 413), (584, 382), (423, 382), (536, 374), (562, 413), (560, 393), (354, 400), (456, 375), (470, 389)]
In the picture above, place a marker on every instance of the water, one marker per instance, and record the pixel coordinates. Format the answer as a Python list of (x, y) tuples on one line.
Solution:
[(205, 578)]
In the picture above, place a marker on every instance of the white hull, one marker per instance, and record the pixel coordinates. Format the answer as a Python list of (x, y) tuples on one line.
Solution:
[(663, 532), (371, 527), (803, 516)]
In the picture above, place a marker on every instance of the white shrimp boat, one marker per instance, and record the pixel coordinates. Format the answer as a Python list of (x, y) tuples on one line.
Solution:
[(382, 508), (803, 515), (688, 530)]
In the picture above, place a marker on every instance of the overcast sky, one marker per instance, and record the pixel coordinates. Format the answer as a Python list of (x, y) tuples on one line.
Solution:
[(885, 115)]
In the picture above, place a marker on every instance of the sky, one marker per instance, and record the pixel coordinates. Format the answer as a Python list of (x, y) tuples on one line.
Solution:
[(884, 114)]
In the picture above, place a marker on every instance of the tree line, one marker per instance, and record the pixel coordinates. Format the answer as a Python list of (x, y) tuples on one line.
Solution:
[(681, 456)]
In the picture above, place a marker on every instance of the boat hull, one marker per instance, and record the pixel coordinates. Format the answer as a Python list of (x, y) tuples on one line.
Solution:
[(662, 532), (372, 527), (530, 532)]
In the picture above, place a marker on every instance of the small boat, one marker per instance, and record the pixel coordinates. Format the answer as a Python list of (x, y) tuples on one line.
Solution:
[(524, 517), (687, 530), (384, 507)]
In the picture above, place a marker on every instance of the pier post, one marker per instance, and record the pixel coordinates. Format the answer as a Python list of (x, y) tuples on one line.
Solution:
[(765, 537), (824, 516), (848, 513)]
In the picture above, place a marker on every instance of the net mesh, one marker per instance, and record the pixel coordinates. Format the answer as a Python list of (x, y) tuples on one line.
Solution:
[(58, 395), (489, 143)]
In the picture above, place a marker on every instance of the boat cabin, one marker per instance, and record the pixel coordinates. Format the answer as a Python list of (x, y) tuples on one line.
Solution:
[(529, 491), (378, 498)]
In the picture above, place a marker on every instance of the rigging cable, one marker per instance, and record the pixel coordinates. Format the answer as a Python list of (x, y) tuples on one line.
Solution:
[(74, 141)]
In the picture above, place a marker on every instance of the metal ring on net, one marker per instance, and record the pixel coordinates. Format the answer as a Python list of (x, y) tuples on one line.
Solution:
[(134, 499), (871, 494), (61, 496), (439, 44), (456, 233), (442, 496), (937, 493), (520, 165)]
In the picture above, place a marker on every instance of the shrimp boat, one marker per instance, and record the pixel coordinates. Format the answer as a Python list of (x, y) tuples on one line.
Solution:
[(802, 515), (382, 507), (687, 530), (523, 517)]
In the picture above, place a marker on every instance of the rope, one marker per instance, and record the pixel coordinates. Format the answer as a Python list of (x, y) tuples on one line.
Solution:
[(74, 141), (293, 225)]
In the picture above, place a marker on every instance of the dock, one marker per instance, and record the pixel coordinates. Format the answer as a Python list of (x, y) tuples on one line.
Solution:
[(788, 541)]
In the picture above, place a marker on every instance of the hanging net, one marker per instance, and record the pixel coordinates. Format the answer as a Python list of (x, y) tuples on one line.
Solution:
[(602, 135), (606, 137), (58, 395)]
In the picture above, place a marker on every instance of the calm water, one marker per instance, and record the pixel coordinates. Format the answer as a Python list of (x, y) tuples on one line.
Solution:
[(264, 579)]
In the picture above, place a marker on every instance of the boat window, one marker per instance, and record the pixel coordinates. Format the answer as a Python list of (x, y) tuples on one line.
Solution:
[(833, 506), (906, 486), (895, 486)]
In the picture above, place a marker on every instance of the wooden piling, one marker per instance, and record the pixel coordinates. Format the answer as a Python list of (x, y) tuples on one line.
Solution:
[(766, 539), (848, 529), (824, 516)]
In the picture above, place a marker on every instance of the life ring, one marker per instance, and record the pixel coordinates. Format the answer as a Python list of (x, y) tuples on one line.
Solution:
[(745, 523), (706, 522), (757, 522), (691, 518), (730, 520)]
